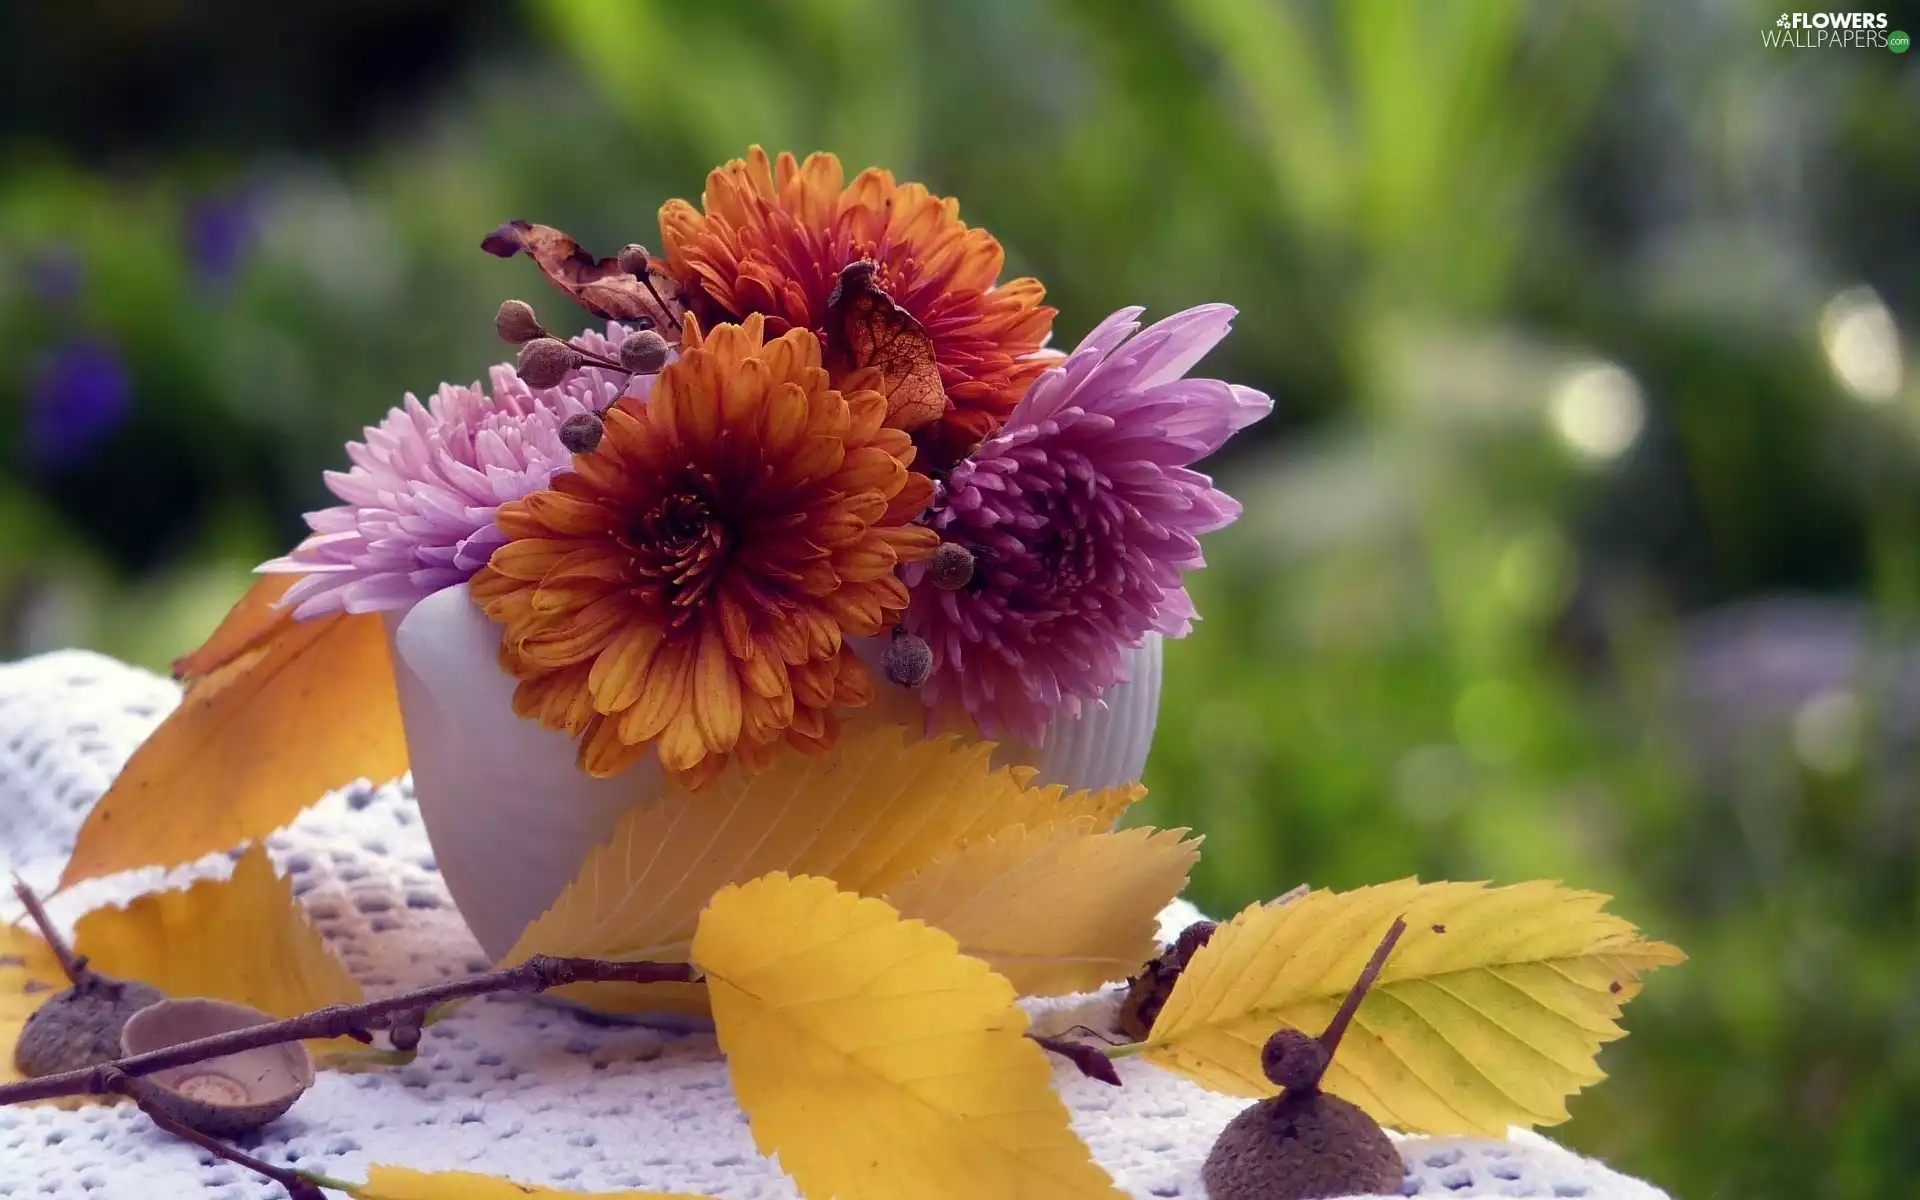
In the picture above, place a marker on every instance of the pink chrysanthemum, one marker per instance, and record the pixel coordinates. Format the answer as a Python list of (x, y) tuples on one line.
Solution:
[(1082, 514), (420, 500)]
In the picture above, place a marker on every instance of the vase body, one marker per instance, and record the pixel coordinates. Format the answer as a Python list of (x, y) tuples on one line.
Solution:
[(511, 817), (508, 814)]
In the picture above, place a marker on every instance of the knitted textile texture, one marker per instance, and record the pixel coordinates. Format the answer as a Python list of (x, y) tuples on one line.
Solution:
[(509, 1085)]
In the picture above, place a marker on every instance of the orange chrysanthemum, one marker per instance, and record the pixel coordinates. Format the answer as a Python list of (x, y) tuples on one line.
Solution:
[(775, 236), (689, 583)]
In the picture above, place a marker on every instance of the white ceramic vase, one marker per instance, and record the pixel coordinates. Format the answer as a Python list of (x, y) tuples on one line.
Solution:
[(510, 816)]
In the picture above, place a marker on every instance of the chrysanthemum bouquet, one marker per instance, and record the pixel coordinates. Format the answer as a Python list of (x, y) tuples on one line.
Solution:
[(796, 630), (818, 459)]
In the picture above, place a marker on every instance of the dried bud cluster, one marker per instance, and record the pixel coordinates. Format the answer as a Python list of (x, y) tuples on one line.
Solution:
[(951, 567), (516, 323), (581, 432), (909, 660), (546, 361), (635, 260), (643, 353)]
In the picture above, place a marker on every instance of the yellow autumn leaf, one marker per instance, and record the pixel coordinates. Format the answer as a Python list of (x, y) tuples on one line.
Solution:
[(285, 712), (253, 622), (399, 1183), (1057, 909), (866, 814), (875, 1059), (243, 939), (29, 973), (1489, 1013)]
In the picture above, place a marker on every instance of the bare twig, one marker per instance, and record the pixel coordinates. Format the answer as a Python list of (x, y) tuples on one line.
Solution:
[(72, 964), (401, 1012), (1337, 1028), (298, 1186)]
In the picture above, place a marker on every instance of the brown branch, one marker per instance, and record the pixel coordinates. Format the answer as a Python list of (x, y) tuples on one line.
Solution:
[(72, 964), (537, 974), (1337, 1028), (298, 1186)]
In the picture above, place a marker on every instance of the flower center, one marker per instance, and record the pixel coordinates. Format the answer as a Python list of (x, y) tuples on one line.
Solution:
[(679, 548), (1065, 557)]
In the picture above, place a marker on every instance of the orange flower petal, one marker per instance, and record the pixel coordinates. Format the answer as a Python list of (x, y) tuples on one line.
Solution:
[(602, 753), (529, 559), (765, 674), (764, 717), (808, 723), (682, 746), (663, 694), (783, 421), (579, 637), (866, 560), (716, 691), (620, 671), (871, 470), (813, 683), (852, 686), (568, 516), (910, 543)]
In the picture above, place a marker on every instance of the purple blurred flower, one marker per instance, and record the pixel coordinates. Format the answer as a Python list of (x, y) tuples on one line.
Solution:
[(420, 499), (1082, 514), (79, 392), (217, 232)]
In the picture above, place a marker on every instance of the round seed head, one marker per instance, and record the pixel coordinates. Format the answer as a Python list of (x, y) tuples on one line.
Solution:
[(1294, 1060), (545, 361), (909, 660), (951, 567), (635, 260), (1302, 1145), (516, 323), (580, 433), (80, 1027), (644, 352)]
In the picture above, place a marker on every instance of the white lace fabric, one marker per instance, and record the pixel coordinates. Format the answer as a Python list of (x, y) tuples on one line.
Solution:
[(508, 1085)]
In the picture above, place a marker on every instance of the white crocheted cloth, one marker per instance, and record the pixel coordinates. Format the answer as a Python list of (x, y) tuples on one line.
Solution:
[(511, 1086)]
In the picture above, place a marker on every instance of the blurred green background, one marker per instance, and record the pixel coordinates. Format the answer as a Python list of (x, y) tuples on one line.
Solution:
[(1584, 541)]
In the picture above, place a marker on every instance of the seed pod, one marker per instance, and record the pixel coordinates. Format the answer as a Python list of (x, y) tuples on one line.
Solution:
[(222, 1096), (1300, 1145), (1294, 1060), (644, 352), (951, 567), (635, 260), (545, 361), (909, 660), (580, 433), (515, 323), (80, 1027)]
